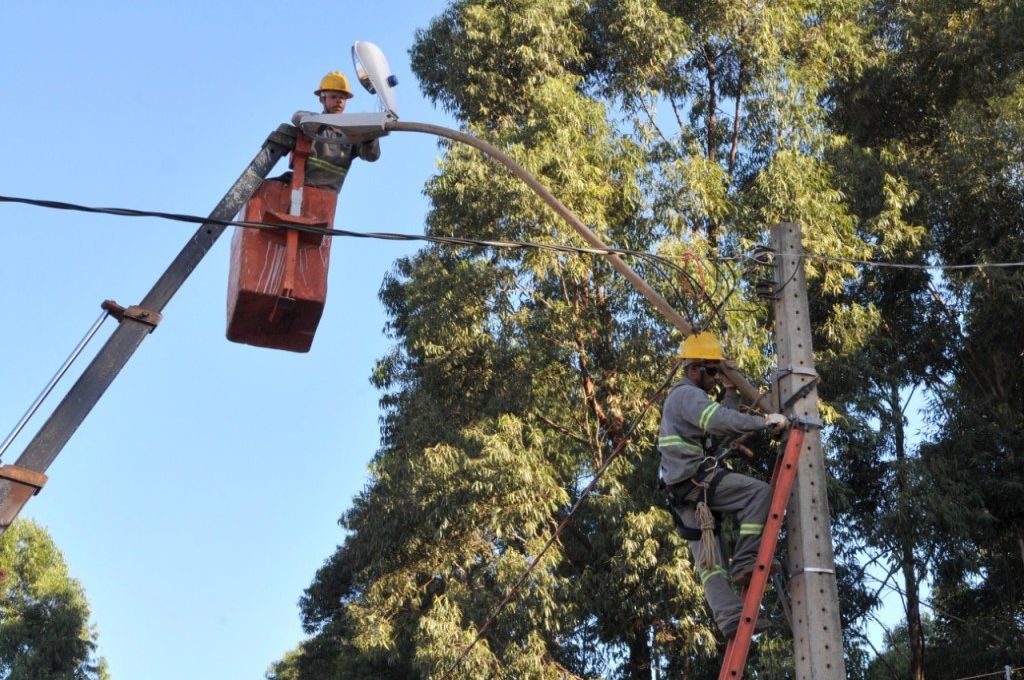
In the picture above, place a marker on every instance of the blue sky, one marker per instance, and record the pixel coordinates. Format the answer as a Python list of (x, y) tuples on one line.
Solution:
[(199, 498)]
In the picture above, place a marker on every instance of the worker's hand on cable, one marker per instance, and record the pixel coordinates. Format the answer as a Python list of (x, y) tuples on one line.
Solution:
[(776, 421)]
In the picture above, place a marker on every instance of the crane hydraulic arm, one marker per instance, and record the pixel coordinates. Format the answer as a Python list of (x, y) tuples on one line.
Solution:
[(23, 479)]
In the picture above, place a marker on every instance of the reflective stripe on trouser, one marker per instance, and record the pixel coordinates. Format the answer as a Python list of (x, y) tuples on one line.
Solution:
[(748, 499)]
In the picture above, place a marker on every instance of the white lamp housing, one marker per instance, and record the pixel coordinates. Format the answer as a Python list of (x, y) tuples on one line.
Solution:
[(375, 75)]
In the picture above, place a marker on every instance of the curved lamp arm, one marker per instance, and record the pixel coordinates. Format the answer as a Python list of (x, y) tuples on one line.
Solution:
[(617, 263), (589, 236)]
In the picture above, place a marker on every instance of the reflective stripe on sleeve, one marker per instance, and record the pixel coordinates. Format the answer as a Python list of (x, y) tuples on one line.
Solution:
[(751, 529), (329, 167), (706, 414), (676, 440)]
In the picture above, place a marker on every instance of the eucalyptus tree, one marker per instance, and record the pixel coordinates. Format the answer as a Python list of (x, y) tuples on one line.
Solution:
[(943, 106), (975, 176), (678, 128)]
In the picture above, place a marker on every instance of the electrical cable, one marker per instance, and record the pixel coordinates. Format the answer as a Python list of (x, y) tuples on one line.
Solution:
[(757, 256), (894, 587), (450, 240), (565, 520), (993, 673), (898, 265)]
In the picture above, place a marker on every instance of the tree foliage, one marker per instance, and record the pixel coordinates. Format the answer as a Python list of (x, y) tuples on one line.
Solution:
[(44, 616), (684, 129), (942, 107)]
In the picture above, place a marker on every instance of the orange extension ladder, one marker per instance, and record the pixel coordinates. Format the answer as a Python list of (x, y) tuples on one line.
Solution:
[(783, 476)]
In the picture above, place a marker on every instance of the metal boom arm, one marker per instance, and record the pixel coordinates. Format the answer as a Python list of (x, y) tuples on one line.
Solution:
[(20, 481)]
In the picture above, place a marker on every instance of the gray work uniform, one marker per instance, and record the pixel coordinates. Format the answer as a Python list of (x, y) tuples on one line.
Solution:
[(332, 155), (689, 421)]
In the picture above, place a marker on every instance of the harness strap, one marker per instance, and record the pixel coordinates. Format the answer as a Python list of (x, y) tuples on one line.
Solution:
[(713, 485), (711, 480)]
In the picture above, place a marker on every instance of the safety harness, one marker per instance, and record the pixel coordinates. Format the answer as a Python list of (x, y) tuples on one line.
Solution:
[(709, 475), (707, 479)]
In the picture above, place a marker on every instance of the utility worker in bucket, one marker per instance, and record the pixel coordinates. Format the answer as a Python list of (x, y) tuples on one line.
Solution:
[(333, 152), (699, 490)]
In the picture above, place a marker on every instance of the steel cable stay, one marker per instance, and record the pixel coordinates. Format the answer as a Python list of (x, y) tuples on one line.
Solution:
[(53, 382)]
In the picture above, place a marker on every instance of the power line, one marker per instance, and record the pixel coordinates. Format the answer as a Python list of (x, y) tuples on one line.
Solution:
[(757, 256), (657, 261), (892, 585), (900, 265), (450, 240), (993, 673)]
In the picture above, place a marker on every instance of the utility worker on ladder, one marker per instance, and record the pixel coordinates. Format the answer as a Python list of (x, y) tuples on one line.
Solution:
[(332, 152), (698, 489)]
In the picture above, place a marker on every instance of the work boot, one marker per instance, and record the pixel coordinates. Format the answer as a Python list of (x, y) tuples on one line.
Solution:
[(762, 624), (742, 579)]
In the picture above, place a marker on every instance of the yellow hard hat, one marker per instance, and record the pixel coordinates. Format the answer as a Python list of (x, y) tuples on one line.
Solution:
[(335, 80), (701, 346)]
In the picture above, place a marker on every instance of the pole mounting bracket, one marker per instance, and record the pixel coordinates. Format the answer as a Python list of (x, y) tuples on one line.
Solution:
[(796, 370), (147, 317), (25, 483)]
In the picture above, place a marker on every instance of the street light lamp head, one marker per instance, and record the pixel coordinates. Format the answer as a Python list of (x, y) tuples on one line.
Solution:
[(375, 75)]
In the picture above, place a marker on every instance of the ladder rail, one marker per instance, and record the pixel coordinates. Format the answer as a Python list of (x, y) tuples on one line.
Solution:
[(738, 647)]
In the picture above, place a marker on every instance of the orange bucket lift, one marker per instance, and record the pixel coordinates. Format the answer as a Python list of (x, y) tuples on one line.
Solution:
[(277, 284)]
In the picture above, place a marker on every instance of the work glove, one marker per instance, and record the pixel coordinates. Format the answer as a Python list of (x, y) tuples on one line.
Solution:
[(776, 421)]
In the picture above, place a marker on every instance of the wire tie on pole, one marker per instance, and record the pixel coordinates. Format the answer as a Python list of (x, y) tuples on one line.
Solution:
[(797, 370), (813, 570)]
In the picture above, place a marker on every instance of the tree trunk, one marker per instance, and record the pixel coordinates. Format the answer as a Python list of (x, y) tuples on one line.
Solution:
[(1020, 544), (639, 653), (712, 122), (915, 629)]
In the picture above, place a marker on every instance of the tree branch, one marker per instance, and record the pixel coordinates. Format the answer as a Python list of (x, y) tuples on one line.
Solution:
[(736, 123)]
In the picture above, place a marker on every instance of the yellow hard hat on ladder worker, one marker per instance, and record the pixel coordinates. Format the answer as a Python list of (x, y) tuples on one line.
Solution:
[(701, 346)]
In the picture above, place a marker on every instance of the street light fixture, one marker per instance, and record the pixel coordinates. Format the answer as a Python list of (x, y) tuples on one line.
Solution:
[(375, 75)]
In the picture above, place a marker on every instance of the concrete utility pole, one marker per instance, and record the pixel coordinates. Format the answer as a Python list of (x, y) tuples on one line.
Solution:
[(814, 598)]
